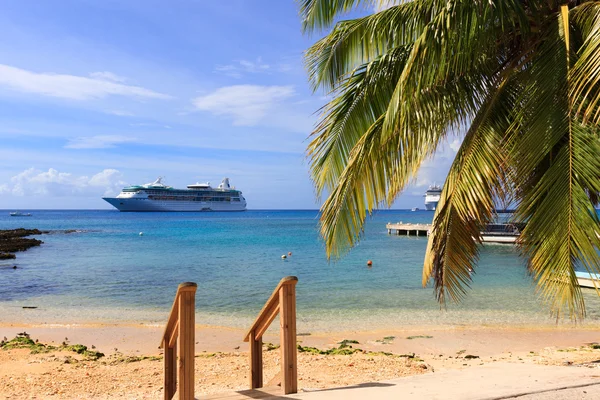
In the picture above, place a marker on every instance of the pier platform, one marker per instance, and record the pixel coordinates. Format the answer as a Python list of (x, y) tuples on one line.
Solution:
[(408, 229), (494, 233)]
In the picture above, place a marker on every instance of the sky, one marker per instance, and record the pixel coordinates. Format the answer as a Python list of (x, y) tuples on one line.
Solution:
[(99, 94)]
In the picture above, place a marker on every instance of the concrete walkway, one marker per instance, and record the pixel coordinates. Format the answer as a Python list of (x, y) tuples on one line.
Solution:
[(491, 381)]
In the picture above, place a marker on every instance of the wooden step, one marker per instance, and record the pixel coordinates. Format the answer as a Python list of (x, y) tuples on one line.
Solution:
[(262, 393)]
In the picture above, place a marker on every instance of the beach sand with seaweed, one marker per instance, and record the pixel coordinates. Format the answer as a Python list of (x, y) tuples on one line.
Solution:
[(132, 363)]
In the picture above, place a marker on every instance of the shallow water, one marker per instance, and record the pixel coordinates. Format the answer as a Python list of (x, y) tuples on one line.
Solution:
[(107, 272)]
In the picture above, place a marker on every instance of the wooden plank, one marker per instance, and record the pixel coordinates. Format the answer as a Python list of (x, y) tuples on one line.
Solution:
[(187, 322), (287, 318), (173, 316), (274, 298), (173, 339), (268, 317), (170, 379), (256, 362), (171, 322)]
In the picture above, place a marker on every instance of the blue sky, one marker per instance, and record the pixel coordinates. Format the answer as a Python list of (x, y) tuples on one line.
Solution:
[(97, 94)]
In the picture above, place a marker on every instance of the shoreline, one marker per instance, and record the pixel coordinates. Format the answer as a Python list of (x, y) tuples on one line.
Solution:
[(136, 338)]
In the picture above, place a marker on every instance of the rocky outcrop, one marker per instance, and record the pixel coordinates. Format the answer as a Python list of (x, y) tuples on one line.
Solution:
[(13, 240)]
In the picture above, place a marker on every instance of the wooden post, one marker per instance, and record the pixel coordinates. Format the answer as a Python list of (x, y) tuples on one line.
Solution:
[(187, 342), (287, 318), (256, 362), (170, 381)]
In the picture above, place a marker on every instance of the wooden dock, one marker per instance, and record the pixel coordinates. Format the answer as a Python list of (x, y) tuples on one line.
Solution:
[(408, 229), (494, 233)]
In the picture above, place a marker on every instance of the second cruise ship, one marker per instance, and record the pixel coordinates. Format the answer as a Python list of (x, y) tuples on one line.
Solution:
[(432, 197), (157, 196)]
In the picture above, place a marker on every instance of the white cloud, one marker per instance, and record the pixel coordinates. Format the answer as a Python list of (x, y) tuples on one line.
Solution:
[(229, 70), (240, 67), (455, 145), (33, 182), (150, 125), (385, 4), (243, 66), (120, 113), (108, 76), (71, 87), (245, 104), (97, 142)]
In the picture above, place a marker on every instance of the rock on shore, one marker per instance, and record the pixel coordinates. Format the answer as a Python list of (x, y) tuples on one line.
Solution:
[(13, 240)]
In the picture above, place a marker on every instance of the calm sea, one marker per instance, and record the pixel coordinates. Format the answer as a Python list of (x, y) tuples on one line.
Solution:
[(107, 272)]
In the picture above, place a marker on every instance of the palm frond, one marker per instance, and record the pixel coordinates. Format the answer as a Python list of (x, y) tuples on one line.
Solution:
[(523, 75), (356, 42), (586, 71), (459, 36), (358, 102), (476, 178), (557, 167), (318, 14)]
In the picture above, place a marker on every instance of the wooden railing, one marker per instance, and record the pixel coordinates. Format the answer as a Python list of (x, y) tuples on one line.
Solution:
[(283, 302), (181, 324)]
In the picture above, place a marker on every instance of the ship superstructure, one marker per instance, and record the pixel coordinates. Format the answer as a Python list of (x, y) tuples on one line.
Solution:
[(157, 196), (432, 197)]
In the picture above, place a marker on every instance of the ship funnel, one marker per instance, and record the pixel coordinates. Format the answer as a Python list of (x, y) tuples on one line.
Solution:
[(224, 184)]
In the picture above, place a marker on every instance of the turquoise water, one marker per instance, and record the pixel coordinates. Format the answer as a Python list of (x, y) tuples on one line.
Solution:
[(107, 272)]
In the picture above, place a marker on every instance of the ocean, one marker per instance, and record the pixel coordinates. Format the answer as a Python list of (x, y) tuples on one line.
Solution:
[(105, 272)]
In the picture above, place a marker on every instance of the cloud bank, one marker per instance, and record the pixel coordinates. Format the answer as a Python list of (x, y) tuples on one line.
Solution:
[(246, 105), (72, 87), (33, 182), (97, 142)]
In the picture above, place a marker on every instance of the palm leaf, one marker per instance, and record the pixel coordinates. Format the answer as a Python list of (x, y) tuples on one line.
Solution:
[(476, 178), (557, 167), (586, 71)]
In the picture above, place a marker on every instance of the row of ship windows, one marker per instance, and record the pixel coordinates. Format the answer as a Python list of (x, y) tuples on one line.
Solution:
[(183, 193), (193, 198)]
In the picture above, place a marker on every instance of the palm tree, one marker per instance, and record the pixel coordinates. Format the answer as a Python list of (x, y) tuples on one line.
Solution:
[(523, 77)]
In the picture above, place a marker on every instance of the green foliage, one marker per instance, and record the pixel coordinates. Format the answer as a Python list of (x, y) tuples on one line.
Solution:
[(347, 342), (521, 78), (270, 346), (419, 337), (386, 340), (24, 341), (343, 350), (83, 350), (131, 359)]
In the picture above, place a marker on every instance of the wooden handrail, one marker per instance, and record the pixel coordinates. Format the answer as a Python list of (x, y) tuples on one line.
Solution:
[(181, 324), (283, 302)]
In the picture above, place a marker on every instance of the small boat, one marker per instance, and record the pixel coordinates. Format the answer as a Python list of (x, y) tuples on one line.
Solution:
[(414, 209), (501, 233), (588, 280), (19, 214)]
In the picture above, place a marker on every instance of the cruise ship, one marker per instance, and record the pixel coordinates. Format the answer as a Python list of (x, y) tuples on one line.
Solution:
[(432, 197), (157, 196)]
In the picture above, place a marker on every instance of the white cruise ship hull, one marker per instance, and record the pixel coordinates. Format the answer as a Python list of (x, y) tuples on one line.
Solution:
[(431, 206), (145, 204)]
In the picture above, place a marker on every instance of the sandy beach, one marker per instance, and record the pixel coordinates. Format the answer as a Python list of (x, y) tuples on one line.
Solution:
[(132, 363)]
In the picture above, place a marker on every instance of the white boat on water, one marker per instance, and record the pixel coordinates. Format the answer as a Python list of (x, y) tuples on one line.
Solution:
[(501, 233), (588, 280), (19, 214), (157, 196)]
